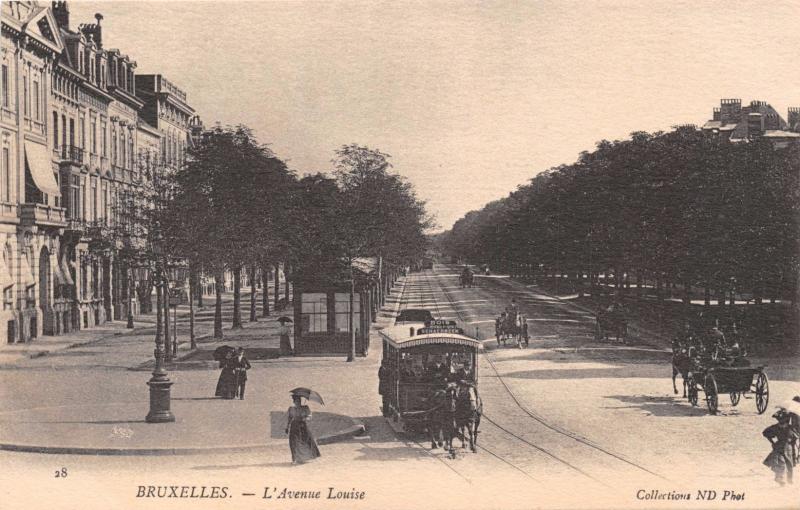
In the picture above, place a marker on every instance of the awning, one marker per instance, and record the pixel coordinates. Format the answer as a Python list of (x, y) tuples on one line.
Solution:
[(25, 272), (65, 272), (5, 275), (58, 276), (41, 168)]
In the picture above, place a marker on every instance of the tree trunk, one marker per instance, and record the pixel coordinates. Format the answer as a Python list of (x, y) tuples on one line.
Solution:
[(277, 284), (253, 316), (159, 311), (218, 288), (352, 355), (192, 289), (237, 298), (199, 289), (265, 293), (286, 282)]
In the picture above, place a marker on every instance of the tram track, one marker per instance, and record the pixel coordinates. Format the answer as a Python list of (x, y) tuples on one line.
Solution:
[(425, 293)]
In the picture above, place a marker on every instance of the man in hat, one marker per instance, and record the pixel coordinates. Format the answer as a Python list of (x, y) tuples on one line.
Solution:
[(780, 435), (240, 367)]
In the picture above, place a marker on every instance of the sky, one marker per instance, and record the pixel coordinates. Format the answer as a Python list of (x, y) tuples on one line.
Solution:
[(471, 99)]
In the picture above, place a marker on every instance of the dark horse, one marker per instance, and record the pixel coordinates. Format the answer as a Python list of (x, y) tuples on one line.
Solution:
[(468, 415), (442, 419), (682, 363)]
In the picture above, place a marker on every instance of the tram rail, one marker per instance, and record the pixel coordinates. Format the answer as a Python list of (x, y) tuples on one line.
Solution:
[(516, 437)]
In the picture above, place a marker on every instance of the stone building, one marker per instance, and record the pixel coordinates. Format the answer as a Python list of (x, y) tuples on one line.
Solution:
[(739, 123), (71, 120)]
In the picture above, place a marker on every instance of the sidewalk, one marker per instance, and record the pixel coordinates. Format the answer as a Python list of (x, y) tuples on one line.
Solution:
[(101, 410)]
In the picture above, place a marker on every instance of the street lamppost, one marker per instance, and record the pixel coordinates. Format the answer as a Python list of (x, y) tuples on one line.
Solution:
[(159, 384)]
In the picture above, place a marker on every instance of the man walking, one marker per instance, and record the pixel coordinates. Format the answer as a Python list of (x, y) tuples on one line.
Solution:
[(240, 367)]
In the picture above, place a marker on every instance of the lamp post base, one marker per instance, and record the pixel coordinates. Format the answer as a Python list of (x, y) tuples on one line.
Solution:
[(159, 399)]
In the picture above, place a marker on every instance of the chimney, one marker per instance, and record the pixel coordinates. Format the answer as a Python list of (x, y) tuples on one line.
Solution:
[(61, 14), (730, 110), (94, 30)]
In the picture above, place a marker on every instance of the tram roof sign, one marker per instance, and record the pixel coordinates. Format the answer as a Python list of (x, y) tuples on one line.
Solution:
[(398, 338)]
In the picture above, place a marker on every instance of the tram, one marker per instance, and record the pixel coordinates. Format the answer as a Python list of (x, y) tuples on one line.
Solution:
[(418, 359)]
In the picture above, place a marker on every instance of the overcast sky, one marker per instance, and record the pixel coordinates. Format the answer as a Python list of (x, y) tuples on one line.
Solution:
[(470, 99)]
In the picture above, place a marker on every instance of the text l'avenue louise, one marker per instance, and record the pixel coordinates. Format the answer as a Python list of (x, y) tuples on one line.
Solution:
[(698, 495), (216, 492)]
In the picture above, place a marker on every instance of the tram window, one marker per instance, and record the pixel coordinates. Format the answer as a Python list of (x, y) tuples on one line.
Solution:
[(314, 313)]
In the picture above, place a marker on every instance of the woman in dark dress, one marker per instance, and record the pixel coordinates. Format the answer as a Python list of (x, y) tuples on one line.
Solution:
[(226, 385), (301, 442)]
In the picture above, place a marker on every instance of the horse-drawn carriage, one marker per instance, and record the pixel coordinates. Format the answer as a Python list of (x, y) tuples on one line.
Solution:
[(734, 380), (609, 322), (715, 369), (431, 379), (511, 326), (467, 278)]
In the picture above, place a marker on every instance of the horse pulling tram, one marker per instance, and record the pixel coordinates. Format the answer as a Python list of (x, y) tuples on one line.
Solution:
[(430, 381)]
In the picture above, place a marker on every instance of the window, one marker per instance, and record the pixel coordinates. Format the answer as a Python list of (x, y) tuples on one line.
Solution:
[(25, 107), (83, 133), (130, 151), (342, 304), (75, 198), (93, 137), (5, 86), (104, 199), (314, 313), (84, 194), (55, 130), (103, 134), (57, 199), (37, 113), (94, 199), (122, 148), (84, 280), (6, 175), (113, 145)]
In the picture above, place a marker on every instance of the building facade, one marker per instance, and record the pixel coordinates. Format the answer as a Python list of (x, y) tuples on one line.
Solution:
[(71, 125)]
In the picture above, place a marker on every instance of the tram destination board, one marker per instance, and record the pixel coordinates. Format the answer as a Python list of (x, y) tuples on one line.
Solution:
[(440, 326)]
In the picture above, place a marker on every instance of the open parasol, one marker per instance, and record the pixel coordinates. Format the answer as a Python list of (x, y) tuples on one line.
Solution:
[(308, 394), (222, 351)]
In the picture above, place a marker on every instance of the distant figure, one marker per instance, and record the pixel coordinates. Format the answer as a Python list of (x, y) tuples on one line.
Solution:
[(525, 337), (285, 346), (302, 444), (226, 384), (240, 367), (780, 435), (384, 389)]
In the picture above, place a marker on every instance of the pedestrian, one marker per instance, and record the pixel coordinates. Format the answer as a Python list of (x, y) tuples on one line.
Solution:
[(302, 444), (780, 435), (525, 336), (384, 388), (285, 346), (226, 385), (240, 367)]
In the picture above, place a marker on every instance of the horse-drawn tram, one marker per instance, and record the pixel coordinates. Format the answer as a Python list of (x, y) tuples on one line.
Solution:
[(422, 363)]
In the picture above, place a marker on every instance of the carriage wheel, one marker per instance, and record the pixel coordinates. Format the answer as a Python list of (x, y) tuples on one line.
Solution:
[(691, 384), (710, 387), (762, 392), (735, 396)]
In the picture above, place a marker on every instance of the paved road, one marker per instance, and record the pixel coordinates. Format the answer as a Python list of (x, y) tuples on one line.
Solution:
[(567, 388)]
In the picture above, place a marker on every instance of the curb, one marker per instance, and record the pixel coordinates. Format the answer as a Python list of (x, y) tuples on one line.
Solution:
[(356, 430)]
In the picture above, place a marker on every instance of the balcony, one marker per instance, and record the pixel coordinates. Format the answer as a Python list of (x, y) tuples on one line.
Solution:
[(71, 154), (42, 215)]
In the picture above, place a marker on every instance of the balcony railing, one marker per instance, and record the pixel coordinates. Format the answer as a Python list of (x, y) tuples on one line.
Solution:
[(41, 214), (72, 154)]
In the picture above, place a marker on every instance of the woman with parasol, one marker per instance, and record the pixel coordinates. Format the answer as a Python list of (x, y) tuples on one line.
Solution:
[(226, 384), (302, 444)]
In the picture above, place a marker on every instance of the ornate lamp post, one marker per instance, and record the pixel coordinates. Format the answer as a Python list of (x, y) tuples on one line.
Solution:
[(159, 383)]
